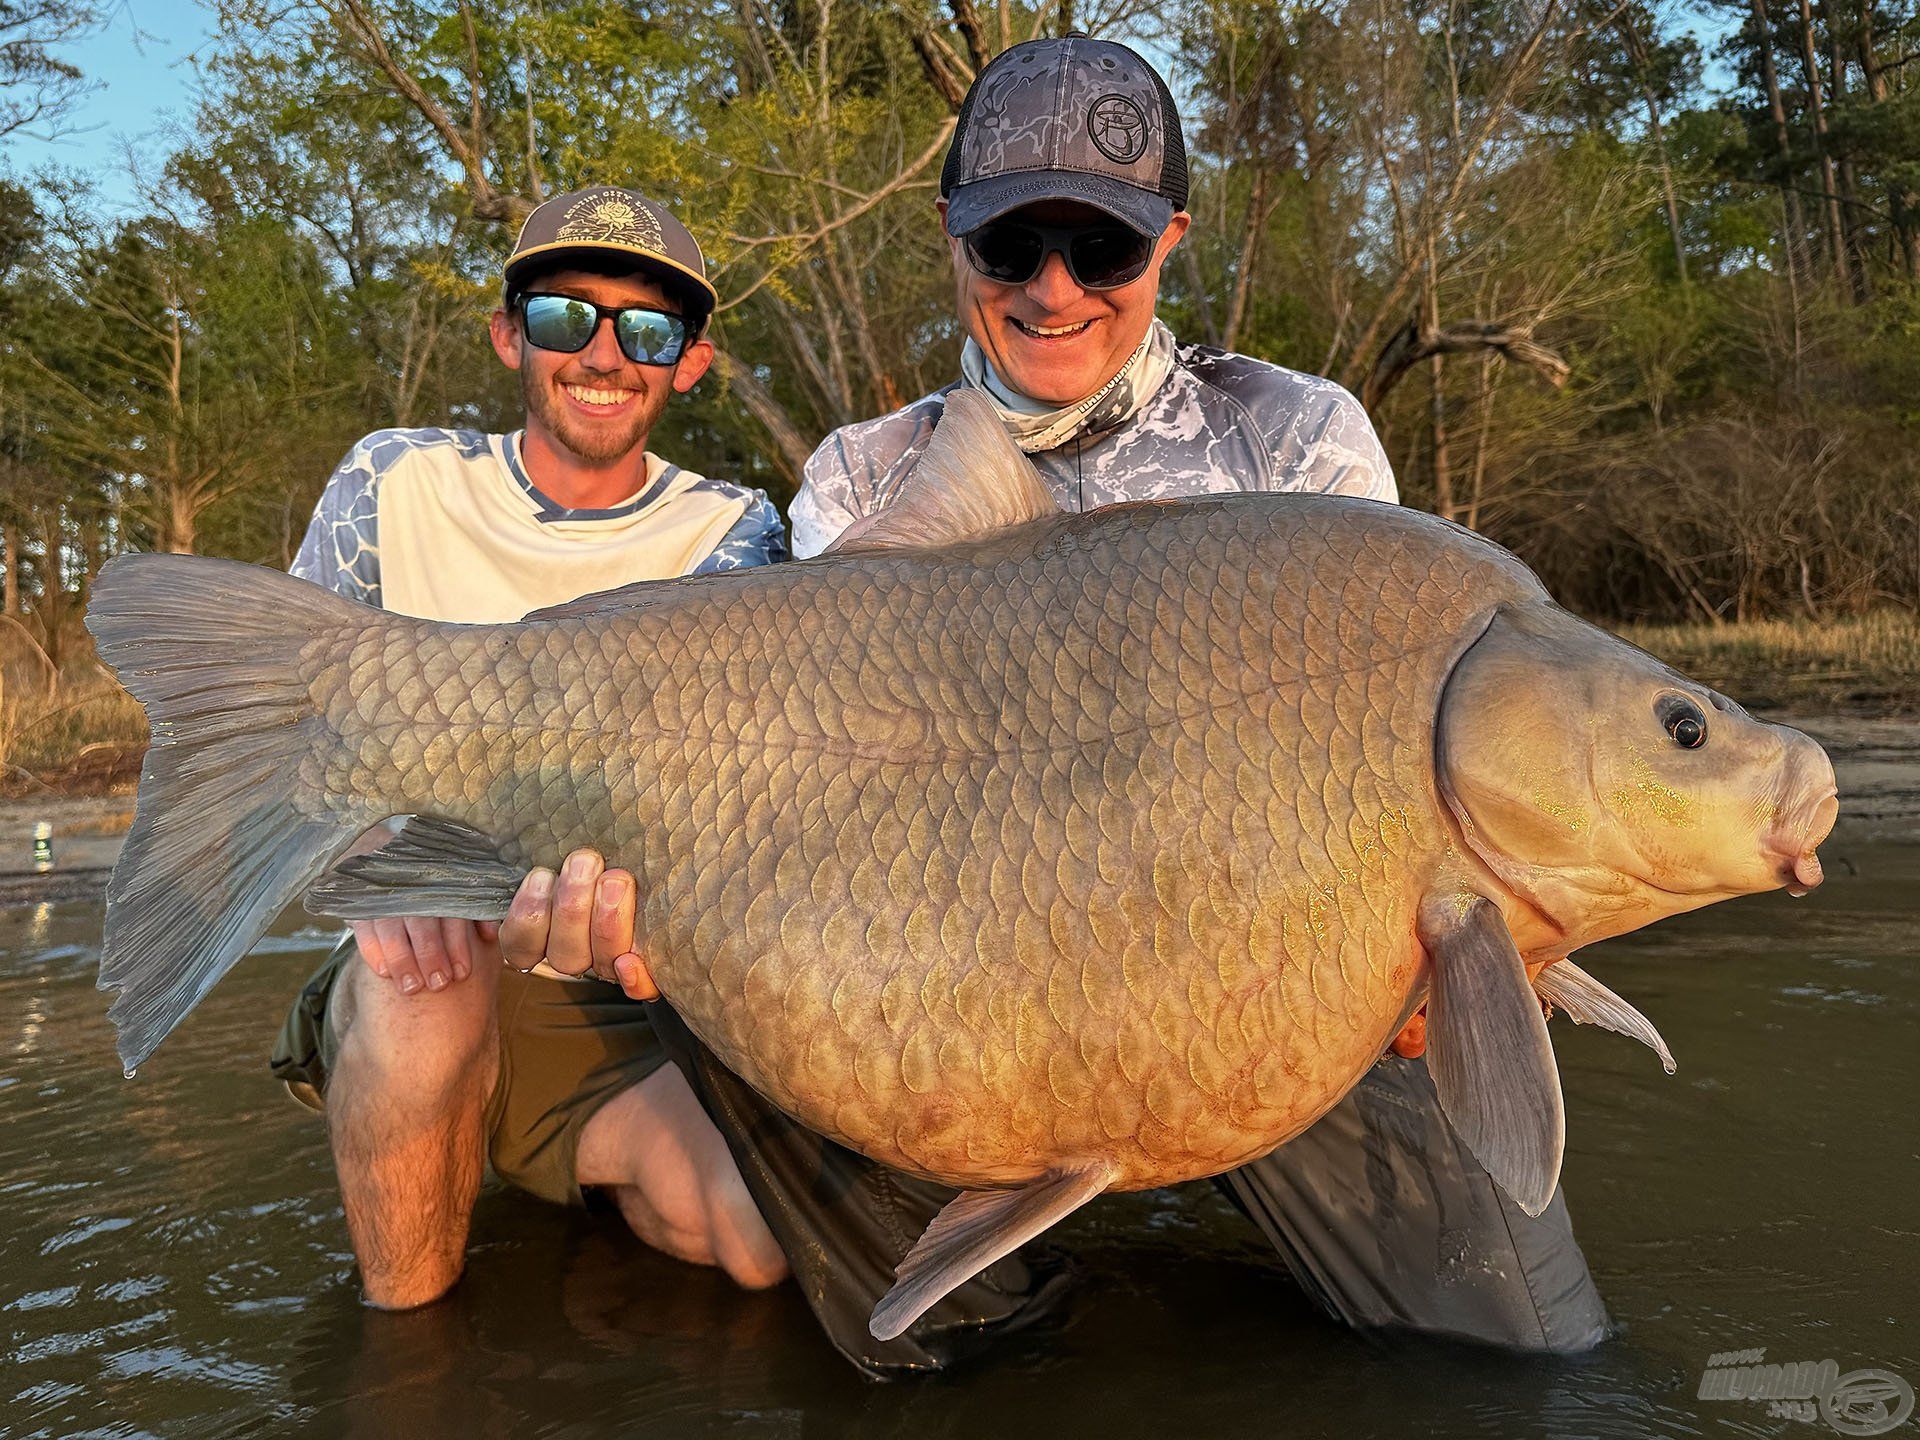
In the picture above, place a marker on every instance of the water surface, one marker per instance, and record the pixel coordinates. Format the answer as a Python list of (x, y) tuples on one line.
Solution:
[(175, 1262)]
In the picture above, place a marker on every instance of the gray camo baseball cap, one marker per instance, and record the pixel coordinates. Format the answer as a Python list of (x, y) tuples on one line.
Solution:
[(1073, 119)]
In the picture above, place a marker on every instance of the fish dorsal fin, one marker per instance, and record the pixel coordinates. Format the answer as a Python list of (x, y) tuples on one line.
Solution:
[(972, 1232), (1588, 1002), (970, 481), (637, 596), (1487, 1047), (432, 867)]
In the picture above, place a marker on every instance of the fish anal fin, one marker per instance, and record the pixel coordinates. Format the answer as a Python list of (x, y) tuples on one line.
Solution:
[(970, 481), (432, 867), (1488, 1050), (1587, 1002), (974, 1230)]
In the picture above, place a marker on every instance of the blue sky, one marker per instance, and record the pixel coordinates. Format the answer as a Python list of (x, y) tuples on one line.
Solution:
[(142, 75)]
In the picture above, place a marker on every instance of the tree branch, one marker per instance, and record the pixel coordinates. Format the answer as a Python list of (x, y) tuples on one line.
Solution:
[(791, 447), (968, 21), (806, 238), (1438, 218), (487, 203), (1419, 340)]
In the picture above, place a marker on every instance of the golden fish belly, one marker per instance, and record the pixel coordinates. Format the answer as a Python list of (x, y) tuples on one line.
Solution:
[(1097, 840)]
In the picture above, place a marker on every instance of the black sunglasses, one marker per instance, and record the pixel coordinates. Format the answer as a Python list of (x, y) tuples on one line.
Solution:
[(567, 324), (1098, 257)]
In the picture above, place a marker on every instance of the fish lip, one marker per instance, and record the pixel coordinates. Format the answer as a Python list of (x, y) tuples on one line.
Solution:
[(1797, 861)]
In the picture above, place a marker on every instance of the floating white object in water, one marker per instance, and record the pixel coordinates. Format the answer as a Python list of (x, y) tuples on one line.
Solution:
[(42, 847)]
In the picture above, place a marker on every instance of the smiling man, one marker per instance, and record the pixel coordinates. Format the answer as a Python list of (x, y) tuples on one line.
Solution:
[(1063, 194), (428, 1057), (1064, 191)]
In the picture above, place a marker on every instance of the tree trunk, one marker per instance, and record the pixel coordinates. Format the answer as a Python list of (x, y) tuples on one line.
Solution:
[(179, 524), (1763, 38), (1249, 257), (1829, 191), (1443, 505), (790, 446), (1637, 52), (1850, 226), (1197, 292), (10, 601), (1902, 202), (50, 608)]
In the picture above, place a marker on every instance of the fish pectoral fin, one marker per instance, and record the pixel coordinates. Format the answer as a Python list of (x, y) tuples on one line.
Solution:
[(975, 1229), (1588, 1002), (970, 481), (1488, 1050), (432, 867)]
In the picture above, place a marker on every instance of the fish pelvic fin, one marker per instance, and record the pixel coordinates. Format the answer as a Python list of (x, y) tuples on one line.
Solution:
[(970, 481), (975, 1229), (1488, 1051), (1588, 1002), (432, 867), (225, 831)]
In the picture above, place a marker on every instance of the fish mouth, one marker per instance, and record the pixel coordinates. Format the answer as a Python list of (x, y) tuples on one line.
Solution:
[(1798, 865)]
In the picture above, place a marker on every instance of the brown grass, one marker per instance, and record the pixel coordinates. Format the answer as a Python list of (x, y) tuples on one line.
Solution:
[(84, 736), (1869, 664)]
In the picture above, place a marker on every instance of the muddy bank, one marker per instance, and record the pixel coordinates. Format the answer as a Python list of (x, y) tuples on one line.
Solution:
[(87, 835)]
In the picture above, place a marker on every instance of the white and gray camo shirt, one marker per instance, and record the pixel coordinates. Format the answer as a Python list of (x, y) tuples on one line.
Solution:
[(1220, 422)]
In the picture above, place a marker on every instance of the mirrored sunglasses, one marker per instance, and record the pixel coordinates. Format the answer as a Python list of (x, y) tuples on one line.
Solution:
[(566, 323)]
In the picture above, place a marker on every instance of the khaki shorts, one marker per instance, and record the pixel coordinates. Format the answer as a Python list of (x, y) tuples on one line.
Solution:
[(566, 1048)]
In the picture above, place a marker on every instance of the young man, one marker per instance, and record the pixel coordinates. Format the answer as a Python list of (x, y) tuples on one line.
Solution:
[(428, 1056), (1063, 194)]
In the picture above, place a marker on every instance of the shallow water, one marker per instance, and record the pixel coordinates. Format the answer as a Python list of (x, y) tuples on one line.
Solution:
[(174, 1260)]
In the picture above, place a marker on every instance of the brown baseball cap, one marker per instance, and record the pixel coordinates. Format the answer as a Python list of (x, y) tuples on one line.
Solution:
[(604, 220), (1073, 119)]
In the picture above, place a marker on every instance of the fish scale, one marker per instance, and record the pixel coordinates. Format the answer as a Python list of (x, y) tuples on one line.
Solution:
[(930, 795)]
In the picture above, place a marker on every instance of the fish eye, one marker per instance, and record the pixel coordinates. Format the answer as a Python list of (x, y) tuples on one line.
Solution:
[(1683, 720)]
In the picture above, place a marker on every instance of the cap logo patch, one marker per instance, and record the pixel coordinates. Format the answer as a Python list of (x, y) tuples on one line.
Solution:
[(1117, 129), (612, 219)]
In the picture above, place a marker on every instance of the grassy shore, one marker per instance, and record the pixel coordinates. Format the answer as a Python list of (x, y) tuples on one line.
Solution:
[(1864, 666), (83, 737), (86, 735)]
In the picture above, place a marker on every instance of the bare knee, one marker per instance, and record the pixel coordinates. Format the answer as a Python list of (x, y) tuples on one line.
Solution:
[(428, 1050)]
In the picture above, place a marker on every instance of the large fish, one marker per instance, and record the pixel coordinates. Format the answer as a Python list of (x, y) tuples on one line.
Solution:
[(1036, 854)]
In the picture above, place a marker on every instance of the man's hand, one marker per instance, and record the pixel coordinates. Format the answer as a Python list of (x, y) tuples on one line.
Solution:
[(422, 953), (580, 923)]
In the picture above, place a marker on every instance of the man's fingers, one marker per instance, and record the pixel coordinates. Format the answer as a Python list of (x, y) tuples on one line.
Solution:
[(523, 934), (396, 953), (635, 978), (570, 937), (1411, 1042), (457, 936), (429, 951), (368, 939), (613, 905)]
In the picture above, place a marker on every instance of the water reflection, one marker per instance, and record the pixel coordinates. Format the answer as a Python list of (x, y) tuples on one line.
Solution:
[(176, 1263)]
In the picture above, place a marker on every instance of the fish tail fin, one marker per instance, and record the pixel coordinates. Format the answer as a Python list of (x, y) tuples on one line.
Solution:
[(225, 829)]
